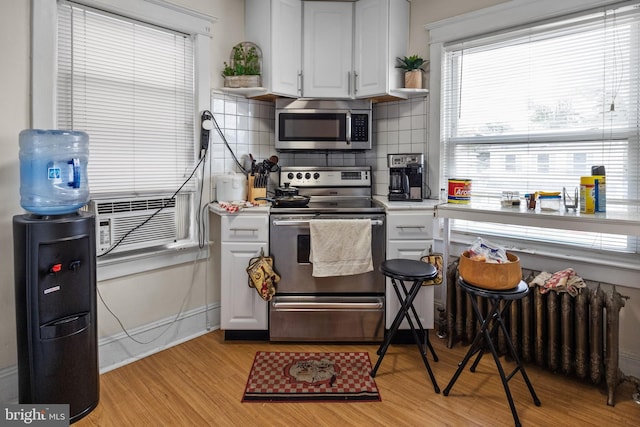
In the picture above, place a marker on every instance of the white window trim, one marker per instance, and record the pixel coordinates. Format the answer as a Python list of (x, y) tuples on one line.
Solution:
[(43, 95), (492, 19), (495, 18)]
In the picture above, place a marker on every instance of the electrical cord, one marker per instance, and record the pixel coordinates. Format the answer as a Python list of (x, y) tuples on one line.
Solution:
[(204, 148), (164, 205), (175, 319), (215, 122)]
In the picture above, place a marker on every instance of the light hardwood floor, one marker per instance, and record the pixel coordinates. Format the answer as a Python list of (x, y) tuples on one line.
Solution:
[(201, 383)]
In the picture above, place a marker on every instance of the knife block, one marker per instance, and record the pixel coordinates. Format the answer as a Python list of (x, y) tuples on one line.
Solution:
[(253, 192)]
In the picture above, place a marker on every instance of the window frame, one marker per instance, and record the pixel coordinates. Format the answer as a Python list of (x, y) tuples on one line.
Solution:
[(43, 102), (499, 18)]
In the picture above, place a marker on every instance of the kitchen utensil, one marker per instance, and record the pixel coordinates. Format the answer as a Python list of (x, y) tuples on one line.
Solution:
[(296, 201), (287, 190)]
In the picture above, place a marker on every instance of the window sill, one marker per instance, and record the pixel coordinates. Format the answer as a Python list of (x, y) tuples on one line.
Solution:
[(135, 262)]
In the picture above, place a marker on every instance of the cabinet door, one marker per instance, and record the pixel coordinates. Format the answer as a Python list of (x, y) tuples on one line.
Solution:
[(276, 27), (327, 52), (371, 47), (241, 306), (286, 45), (410, 249)]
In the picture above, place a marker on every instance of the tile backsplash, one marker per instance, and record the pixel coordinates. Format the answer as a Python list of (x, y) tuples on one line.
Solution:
[(248, 126)]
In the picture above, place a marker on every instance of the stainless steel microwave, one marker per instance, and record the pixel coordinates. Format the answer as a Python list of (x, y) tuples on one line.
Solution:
[(319, 124)]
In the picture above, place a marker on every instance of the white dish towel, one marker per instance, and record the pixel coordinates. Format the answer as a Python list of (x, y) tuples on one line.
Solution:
[(340, 247)]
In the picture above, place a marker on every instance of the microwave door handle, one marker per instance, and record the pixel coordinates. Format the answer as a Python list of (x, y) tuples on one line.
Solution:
[(348, 124)]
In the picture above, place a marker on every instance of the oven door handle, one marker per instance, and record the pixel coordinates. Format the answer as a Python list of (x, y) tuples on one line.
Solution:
[(297, 306), (288, 222)]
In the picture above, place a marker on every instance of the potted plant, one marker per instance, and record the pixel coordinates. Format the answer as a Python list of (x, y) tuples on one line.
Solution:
[(243, 69), (413, 69)]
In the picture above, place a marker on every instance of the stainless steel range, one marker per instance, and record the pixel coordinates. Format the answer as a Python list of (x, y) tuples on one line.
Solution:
[(336, 308)]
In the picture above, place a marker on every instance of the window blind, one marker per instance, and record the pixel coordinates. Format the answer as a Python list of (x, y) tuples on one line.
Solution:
[(130, 86), (534, 108)]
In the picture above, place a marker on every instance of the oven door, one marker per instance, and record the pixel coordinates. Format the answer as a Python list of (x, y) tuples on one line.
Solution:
[(290, 244), (326, 318)]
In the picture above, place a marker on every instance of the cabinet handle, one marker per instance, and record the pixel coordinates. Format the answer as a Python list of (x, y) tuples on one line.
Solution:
[(348, 82), (355, 83), (401, 227), (374, 222), (304, 306), (251, 230), (300, 82)]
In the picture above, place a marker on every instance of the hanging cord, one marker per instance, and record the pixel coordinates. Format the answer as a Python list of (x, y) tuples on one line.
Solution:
[(215, 122), (164, 205), (204, 147), (173, 321)]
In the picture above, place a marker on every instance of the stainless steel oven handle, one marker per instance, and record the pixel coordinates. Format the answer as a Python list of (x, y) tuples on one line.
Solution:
[(286, 222), (328, 305)]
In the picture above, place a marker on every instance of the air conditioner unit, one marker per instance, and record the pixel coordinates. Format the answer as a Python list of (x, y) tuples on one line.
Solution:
[(133, 223)]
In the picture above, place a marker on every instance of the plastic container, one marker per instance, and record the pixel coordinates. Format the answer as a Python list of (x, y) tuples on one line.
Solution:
[(231, 187), (550, 203), (53, 171)]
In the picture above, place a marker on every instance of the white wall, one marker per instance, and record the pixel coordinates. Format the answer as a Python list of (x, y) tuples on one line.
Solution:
[(14, 116)]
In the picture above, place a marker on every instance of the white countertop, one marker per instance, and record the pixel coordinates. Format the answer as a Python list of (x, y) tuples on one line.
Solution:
[(618, 219), (261, 209), (394, 206)]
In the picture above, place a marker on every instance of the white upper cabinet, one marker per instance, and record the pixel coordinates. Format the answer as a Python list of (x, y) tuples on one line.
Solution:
[(276, 27), (381, 35), (328, 49)]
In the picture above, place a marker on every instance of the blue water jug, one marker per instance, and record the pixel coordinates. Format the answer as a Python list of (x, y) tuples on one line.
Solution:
[(53, 171)]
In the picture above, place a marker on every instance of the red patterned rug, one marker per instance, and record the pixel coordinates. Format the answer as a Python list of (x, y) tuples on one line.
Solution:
[(311, 377)]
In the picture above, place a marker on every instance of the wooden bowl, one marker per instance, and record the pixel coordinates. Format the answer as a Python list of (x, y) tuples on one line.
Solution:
[(488, 275)]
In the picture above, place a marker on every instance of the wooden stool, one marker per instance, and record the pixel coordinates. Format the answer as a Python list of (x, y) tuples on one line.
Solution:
[(400, 270), (479, 345)]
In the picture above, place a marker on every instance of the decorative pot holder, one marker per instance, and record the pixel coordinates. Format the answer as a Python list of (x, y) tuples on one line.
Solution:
[(262, 276)]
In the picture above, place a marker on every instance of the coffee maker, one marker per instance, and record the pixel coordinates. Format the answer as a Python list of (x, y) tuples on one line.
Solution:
[(405, 177)]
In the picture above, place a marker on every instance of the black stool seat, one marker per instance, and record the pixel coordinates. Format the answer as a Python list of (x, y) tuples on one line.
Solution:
[(408, 269), (399, 271), (484, 337)]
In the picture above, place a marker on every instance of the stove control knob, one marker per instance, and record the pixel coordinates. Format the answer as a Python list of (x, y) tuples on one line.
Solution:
[(316, 175), (290, 175), (299, 175), (307, 175)]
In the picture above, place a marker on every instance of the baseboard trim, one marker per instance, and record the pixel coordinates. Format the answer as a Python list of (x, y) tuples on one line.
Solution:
[(119, 349)]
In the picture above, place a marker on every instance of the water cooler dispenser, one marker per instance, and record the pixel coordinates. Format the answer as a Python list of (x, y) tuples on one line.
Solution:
[(55, 275)]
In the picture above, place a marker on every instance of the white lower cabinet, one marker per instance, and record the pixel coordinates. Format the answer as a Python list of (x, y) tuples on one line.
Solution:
[(241, 306), (410, 236), (238, 239)]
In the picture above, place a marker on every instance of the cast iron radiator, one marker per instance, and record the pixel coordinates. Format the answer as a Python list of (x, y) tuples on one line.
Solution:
[(578, 336)]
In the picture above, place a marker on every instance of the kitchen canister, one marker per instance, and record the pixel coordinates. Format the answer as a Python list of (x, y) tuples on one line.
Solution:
[(231, 187), (593, 195), (53, 171), (459, 191)]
